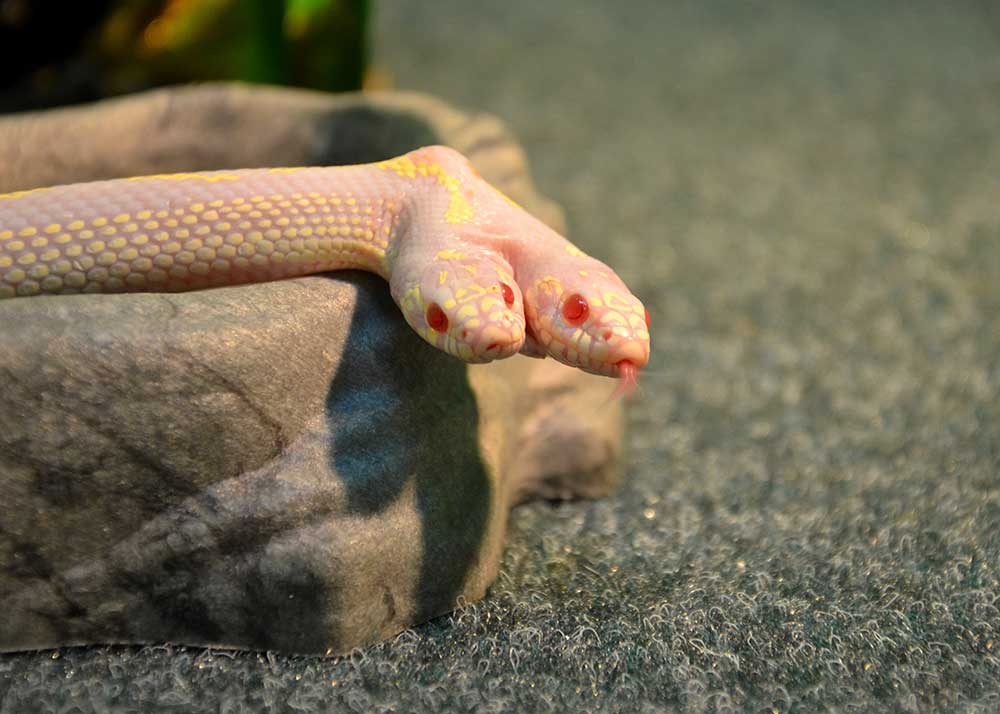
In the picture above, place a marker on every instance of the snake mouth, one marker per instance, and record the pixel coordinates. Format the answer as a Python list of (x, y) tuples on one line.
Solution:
[(498, 349), (627, 373), (625, 369), (625, 361), (493, 342)]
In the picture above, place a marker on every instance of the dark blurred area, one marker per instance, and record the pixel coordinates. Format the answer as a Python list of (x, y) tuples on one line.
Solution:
[(54, 53)]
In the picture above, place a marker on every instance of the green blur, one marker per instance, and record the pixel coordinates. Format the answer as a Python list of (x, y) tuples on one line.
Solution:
[(58, 53)]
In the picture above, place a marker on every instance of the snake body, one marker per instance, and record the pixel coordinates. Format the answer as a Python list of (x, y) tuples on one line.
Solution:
[(474, 274)]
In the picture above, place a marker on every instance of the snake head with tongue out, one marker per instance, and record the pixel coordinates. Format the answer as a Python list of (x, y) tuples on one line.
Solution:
[(482, 264), (580, 313)]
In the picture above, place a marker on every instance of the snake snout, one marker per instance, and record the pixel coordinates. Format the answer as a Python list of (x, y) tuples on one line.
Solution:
[(631, 351), (496, 343)]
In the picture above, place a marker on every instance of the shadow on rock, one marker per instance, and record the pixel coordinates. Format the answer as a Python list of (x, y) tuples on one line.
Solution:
[(403, 415)]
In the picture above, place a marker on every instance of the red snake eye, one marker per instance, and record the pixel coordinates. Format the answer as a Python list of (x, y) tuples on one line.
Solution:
[(575, 309), (436, 318), (508, 294), (647, 318)]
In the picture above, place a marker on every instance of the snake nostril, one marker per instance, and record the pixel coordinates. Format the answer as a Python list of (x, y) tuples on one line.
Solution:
[(465, 333), (493, 346), (607, 335)]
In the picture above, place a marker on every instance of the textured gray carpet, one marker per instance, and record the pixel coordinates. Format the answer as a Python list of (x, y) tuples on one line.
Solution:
[(808, 200)]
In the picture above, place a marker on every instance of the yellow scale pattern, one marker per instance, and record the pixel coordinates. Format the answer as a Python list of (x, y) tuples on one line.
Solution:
[(219, 242), (459, 210)]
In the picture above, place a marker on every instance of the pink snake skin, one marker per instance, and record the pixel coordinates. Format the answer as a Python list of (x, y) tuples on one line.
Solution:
[(474, 274)]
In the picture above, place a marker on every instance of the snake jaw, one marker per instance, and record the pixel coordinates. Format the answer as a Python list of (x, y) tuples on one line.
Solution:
[(493, 342), (631, 354), (624, 358), (625, 368)]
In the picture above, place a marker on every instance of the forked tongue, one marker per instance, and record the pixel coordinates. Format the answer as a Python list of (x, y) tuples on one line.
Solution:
[(628, 379)]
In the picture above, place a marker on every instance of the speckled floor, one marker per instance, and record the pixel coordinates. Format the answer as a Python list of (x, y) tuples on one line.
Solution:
[(807, 198)]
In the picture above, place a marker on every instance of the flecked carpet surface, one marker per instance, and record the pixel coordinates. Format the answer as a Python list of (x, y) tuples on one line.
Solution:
[(805, 194)]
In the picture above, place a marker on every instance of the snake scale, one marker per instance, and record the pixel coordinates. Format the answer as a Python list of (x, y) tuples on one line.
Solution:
[(474, 274)]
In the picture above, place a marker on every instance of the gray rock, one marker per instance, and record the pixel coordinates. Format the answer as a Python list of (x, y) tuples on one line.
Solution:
[(285, 465)]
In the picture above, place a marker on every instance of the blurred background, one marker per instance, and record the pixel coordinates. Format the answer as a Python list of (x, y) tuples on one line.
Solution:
[(54, 52)]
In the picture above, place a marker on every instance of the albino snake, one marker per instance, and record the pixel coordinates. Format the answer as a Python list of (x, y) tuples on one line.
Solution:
[(474, 274)]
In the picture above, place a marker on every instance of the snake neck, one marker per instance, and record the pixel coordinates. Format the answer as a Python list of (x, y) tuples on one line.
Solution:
[(373, 216)]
